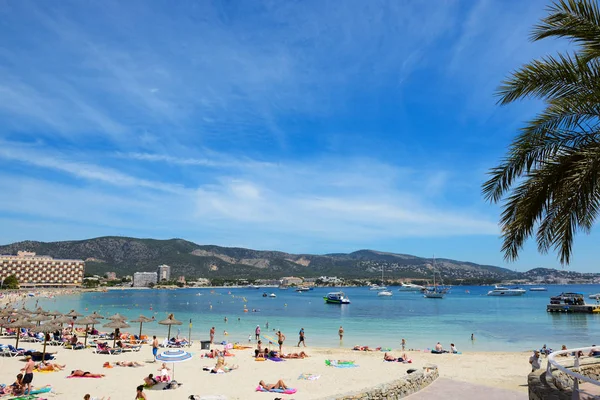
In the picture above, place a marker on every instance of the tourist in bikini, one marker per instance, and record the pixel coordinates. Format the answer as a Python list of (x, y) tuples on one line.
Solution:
[(269, 386), (81, 373), (341, 333), (280, 340), (18, 387), (212, 334)]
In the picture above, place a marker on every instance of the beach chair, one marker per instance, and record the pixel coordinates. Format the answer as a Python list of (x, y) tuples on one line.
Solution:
[(11, 351), (104, 349), (131, 348)]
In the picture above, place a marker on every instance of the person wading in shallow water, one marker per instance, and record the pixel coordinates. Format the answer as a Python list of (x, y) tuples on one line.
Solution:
[(341, 333), (301, 337)]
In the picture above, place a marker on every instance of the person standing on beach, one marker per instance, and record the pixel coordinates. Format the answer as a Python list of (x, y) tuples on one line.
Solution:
[(301, 337), (154, 347), (403, 344), (257, 332), (212, 334), (28, 377), (280, 340), (535, 362), (472, 336), (341, 333)]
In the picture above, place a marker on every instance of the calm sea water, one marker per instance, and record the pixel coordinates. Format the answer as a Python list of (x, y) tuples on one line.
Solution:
[(498, 323)]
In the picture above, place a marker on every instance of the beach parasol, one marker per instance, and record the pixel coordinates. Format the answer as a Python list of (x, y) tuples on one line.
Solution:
[(63, 319), (74, 314), (116, 317), (39, 318), (95, 315), (170, 321), (54, 313), (18, 324), (46, 329), (174, 356), (39, 310), (86, 321), (141, 319), (116, 324)]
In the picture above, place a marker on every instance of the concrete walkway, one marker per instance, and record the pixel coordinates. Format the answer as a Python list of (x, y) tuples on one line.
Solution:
[(444, 388)]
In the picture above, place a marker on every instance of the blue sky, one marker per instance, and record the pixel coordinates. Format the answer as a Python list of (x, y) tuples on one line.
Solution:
[(303, 126)]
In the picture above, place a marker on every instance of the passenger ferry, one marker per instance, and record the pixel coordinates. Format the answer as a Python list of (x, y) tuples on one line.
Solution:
[(504, 291)]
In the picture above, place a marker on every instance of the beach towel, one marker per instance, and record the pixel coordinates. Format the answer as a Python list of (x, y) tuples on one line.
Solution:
[(340, 364), (309, 377), (45, 389), (286, 391), (84, 376), (276, 359)]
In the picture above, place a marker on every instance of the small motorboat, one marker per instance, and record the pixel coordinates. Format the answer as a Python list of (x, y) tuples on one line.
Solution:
[(272, 295), (538, 289), (595, 296), (384, 293), (336, 298), (265, 294)]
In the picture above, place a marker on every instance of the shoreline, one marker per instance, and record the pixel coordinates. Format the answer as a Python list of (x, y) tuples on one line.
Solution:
[(506, 370)]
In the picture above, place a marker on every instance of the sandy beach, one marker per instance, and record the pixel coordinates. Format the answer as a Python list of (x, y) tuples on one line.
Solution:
[(502, 370)]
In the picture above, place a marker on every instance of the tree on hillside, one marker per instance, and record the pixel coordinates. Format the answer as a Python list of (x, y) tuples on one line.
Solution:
[(10, 282), (549, 181)]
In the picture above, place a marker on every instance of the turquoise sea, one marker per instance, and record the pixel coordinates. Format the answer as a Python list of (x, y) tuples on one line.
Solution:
[(498, 323)]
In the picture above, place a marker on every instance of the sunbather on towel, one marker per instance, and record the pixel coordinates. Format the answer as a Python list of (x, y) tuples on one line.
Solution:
[(302, 354), (18, 387), (221, 366), (129, 364), (269, 386), (48, 366), (389, 357), (365, 348), (164, 373), (87, 374)]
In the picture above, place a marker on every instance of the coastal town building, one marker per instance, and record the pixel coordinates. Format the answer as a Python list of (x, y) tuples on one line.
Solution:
[(111, 276), (164, 273), (144, 279), (291, 280), (33, 270), (181, 279)]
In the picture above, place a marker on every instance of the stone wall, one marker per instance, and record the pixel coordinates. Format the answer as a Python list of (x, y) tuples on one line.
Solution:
[(560, 387), (397, 389)]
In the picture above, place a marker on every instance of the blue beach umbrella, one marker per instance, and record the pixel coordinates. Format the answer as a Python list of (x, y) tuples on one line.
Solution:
[(174, 356)]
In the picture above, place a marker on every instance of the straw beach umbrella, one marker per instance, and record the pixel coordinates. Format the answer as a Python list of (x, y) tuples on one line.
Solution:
[(39, 318), (46, 329), (174, 356), (170, 321), (63, 319), (18, 324), (95, 315), (141, 319), (116, 324), (86, 321), (116, 317)]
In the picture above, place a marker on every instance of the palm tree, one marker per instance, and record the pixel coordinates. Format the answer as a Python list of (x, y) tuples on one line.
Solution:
[(549, 182)]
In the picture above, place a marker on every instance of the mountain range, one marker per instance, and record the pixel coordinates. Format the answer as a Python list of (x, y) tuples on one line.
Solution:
[(125, 256)]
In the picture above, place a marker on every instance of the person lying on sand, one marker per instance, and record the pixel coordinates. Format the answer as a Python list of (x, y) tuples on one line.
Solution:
[(365, 348), (48, 366), (129, 364), (270, 386), (89, 397), (389, 357), (79, 372), (294, 355)]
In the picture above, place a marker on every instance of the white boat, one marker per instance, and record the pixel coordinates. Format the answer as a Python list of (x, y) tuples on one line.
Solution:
[(377, 287), (595, 296), (336, 298), (435, 292), (504, 291), (302, 289), (252, 287), (272, 295), (383, 292), (538, 289), (410, 287)]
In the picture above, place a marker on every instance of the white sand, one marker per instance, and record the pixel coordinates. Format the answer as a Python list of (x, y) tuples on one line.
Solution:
[(505, 370)]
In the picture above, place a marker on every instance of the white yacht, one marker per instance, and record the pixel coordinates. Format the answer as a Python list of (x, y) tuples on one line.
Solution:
[(384, 293), (504, 291), (377, 287), (595, 296), (410, 287)]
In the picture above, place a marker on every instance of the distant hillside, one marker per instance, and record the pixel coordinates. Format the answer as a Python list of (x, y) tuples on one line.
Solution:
[(127, 255)]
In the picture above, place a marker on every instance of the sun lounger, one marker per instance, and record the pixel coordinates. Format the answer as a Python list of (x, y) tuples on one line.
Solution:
[(102, 349)]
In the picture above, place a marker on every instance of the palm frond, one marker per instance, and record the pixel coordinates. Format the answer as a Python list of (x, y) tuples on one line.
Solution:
[(577, 20)]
